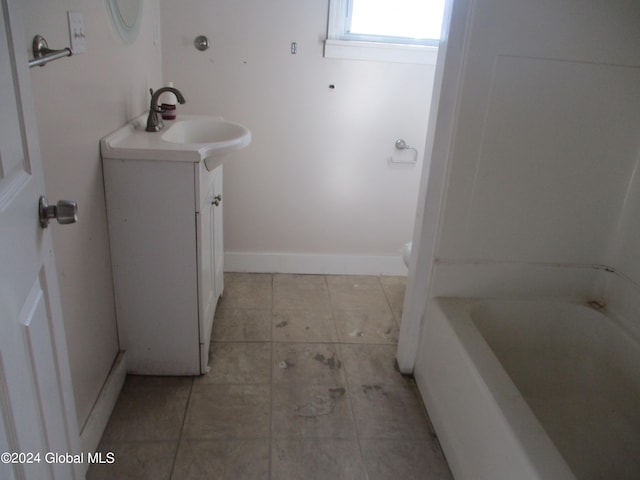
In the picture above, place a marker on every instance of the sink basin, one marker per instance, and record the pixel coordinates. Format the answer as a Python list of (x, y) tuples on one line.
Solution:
[(206, 130), (190, 138)]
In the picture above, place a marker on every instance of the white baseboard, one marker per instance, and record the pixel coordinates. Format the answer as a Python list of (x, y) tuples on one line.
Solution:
[(314, 264), (101, 411)]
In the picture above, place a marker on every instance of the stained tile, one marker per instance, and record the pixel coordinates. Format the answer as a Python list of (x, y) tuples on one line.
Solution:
[(300, 292), (142, 461), (389, 412), (307, 364), (222, 460), (241, 325), (357, 293), (149, 412), (317, 459), (366, 327), (238, 362), (228, 411), (304, 326), (404, 459), (248, 290), (303, 385), (311, 411), (371, 364)]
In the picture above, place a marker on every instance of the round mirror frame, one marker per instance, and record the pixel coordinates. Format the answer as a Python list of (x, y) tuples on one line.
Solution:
[(128, 33)]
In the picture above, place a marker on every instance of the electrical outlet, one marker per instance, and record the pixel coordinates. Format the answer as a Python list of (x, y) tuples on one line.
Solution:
[(77, 37)]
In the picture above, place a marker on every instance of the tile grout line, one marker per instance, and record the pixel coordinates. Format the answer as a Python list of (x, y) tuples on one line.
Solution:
[(184, 421), (348, 388), (270, 442), (386, 296), (333, 316)]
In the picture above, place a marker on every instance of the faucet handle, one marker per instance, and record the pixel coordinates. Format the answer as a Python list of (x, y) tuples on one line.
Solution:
[(158, 108)]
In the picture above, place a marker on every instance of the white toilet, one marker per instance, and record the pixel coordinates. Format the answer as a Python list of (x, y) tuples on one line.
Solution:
[(406, 253)]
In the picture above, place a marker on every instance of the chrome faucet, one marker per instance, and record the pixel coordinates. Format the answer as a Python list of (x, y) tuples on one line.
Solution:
[(155, 123)]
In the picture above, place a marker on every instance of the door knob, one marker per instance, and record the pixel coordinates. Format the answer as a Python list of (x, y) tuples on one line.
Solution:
[(65, 211), (216, 200)]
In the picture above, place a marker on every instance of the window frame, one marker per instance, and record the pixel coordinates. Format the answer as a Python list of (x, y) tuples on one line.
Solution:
[(345, 45)]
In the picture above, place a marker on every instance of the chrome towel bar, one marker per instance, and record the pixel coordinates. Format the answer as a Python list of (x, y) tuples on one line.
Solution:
[(43, 54)]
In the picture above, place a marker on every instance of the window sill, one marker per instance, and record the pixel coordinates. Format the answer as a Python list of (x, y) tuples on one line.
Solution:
[(381, 52)]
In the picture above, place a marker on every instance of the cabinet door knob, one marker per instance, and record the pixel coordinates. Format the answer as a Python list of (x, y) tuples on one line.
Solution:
[(216, 200)]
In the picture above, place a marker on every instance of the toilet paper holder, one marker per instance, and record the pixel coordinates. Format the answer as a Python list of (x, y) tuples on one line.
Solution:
[(402, 145)]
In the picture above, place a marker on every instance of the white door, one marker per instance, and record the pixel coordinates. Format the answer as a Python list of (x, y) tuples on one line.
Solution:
[(37, 410)]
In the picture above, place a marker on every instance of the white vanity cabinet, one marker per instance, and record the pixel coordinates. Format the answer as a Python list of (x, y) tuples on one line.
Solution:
[(165, 227)]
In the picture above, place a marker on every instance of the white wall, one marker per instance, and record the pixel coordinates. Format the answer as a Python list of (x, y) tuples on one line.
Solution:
[(621, 291), (78, 100), (315, 179), (547, 136), (625, 249)]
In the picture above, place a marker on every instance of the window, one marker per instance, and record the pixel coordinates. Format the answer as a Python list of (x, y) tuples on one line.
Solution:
[(405, 31)]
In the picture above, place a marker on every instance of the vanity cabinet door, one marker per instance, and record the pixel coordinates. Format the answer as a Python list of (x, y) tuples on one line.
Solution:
[(218, 237), (210, 258)]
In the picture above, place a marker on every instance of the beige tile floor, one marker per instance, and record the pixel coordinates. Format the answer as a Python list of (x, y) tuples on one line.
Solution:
[(303, 386)]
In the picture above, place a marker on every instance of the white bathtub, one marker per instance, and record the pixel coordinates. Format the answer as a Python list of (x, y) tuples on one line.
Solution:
[(531, 389)]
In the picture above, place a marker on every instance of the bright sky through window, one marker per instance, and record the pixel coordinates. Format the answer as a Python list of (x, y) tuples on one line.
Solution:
[(419, 19)]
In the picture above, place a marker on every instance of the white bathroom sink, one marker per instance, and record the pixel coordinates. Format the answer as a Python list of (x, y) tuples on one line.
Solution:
[(206, 130), (189, 138)]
